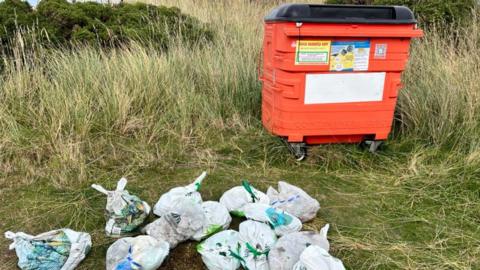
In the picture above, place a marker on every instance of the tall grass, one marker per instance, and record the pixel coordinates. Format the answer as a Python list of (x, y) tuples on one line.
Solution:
[(65, 106), (440, 103)]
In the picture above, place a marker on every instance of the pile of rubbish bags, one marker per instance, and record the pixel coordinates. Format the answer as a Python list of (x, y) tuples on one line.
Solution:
[(270, 237)]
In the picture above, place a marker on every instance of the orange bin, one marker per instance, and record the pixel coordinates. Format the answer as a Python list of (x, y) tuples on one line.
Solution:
[(331, 73)]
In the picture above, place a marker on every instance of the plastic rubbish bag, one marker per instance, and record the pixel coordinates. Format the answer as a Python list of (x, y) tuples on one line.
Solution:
[(282, 222), (236, 198), (125, 212), (168, 200), (62, 249), (315, 258), (221, 251), (288, 248), (217, 219), (180, 224), (256, 240), (294, 200), (141, 252)]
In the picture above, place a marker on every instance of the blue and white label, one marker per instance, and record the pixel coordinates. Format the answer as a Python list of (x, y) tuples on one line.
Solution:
[(350, 55)]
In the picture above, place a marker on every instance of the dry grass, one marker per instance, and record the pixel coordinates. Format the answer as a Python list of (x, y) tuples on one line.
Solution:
[(71, 118)]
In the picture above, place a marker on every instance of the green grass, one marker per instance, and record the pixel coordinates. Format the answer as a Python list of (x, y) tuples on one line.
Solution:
[(70, 119)]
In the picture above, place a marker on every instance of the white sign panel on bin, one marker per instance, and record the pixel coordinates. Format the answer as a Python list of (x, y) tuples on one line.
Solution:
[(344, 87)]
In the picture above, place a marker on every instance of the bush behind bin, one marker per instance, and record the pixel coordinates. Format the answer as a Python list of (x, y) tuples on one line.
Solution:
[(428, 11), (61, 23)]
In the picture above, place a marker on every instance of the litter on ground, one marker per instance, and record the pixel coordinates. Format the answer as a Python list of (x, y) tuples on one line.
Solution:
[(281, 222), (221, 251), (256, 239), (178, 225), (236, 198), (125, 212), (167, 201), (60, 249), (294, 200), (141, 252), (217, 219), (286, 252), (315, 258), (183, 217)]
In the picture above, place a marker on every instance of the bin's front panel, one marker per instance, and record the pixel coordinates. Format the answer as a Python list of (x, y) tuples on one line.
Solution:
[(331, 104)]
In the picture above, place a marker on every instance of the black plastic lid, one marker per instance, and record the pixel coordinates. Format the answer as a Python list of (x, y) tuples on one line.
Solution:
[(342, 14)]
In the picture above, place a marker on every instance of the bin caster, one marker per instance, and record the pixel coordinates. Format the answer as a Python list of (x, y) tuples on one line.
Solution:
[(299, 150), (372, 145)]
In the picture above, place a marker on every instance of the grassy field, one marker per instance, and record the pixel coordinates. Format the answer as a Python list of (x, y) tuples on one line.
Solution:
[(72, 118)]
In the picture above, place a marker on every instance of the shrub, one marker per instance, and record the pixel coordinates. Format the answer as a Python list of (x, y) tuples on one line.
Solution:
[(14, 13), (96, 23), (428, 11), (59, 18)]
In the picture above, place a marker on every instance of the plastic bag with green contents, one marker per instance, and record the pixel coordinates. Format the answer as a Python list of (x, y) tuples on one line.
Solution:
[(125, 212), (256, 240), (221, 251), (217, 219), (236, 198)]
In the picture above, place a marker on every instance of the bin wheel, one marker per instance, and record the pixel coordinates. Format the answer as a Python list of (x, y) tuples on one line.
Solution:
[(372, 145), (299, 150)]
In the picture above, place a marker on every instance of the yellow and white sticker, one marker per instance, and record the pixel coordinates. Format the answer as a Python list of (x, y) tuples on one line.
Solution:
[(312, 52)]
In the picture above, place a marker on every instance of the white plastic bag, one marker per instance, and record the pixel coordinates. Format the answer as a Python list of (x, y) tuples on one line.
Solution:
[(236, 198), (256, 240), (141, 252), (317, 258), (217, 219), (125, 212), (62, 249), (178, 225), (282, 222), (294, 200), (221, 251), (171, 198), (288, 248)]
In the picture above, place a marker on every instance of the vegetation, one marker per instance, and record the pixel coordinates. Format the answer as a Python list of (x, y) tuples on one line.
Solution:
[(63, 23), (70, 118), (429, 11)]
